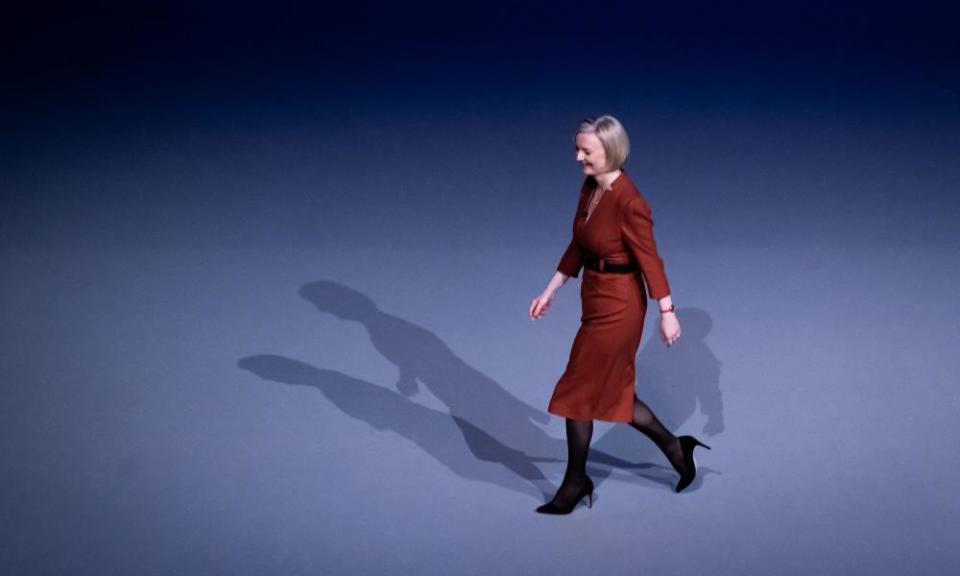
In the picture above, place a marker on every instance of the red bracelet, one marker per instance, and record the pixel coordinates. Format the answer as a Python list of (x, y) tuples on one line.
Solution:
[(672, 308)]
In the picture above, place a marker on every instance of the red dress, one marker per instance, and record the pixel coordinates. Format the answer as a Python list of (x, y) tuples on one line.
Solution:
[(598, 383)]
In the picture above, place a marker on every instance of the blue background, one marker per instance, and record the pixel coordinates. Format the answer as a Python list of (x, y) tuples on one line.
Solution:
[(266, 272)]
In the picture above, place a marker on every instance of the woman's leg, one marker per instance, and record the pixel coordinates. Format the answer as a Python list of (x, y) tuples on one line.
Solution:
[(579, 433), (646, 421)]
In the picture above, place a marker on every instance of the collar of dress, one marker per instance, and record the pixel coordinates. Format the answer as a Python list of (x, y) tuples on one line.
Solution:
[(618, 183)]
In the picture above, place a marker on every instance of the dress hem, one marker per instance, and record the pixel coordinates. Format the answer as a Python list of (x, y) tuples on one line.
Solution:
[(575, 415)]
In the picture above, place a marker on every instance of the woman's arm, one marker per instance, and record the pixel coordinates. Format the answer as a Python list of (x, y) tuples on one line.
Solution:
[(558, 280), (666, 302), (540, 304), (636, 227), (569, 266), (669, 325)]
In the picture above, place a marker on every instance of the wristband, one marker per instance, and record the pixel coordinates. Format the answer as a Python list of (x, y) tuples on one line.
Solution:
[(672, 308)]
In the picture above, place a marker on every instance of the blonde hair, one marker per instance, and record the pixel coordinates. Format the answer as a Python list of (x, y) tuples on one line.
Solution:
[(616, 144)]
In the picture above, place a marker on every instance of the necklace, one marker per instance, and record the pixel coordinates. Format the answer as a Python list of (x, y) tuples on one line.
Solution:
[(594, 200)]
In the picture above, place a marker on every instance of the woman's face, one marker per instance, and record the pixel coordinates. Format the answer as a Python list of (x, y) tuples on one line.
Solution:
[(590, 154)]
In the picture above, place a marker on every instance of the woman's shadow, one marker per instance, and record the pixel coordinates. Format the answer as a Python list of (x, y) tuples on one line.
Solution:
[(484, 419)]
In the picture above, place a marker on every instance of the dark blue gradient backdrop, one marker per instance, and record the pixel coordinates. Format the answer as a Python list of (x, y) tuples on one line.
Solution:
[(266, 272)]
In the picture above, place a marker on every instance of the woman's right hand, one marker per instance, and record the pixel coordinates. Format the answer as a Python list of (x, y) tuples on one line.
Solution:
[(540, 304)]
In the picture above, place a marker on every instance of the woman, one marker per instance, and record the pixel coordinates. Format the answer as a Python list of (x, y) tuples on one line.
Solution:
[(613, 242)]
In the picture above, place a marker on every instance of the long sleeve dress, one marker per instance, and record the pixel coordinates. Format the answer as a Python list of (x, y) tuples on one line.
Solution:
[(599, 380)]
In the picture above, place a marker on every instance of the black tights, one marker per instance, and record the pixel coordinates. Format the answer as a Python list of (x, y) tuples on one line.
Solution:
[(646, 421), (579, 433)]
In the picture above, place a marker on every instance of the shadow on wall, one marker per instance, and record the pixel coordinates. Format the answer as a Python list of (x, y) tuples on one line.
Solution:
[(488, 434)]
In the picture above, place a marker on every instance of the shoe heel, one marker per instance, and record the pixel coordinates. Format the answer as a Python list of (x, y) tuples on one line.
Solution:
[(688, 444), (587, 490)]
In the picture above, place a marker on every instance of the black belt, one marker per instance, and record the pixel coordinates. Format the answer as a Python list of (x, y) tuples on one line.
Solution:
[(601, 265)]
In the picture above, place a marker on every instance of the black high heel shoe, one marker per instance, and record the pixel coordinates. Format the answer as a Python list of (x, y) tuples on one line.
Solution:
[(587, 490), (687, 444)]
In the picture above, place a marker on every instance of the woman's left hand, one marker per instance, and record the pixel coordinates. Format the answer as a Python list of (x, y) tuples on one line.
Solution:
[(669, 328)]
